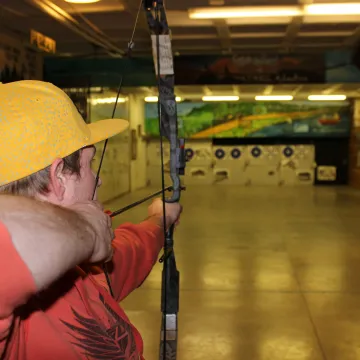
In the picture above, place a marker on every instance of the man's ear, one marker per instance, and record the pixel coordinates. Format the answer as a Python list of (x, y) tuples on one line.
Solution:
[(57, 182)]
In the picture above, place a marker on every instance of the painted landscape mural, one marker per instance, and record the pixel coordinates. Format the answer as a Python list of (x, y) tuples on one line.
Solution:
[(257, 119)]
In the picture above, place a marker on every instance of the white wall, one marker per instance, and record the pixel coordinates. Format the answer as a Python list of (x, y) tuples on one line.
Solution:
[(138, 178), (115, 170)]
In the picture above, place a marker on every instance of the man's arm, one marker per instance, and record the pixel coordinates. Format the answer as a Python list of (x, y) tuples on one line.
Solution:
[(137, 247), (48, 240), (39, 242)]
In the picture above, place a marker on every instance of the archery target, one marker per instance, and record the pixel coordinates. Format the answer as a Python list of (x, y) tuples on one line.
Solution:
[(235, 153), (256, 152), (288, 151), (189, 153), (229, 165), (220, 154), (297, 165), (302, 156), (198, 154), (229, 153), (264, 155)]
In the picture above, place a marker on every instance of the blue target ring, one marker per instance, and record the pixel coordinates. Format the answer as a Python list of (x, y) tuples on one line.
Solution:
[(288, 152), (189, 153), (219, 153), (255, 152), (235, 153)]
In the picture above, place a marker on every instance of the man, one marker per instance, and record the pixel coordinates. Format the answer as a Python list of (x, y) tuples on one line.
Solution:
[(46, 150)]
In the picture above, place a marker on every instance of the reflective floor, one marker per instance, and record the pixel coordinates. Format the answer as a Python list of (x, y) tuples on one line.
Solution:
[(266, 273)]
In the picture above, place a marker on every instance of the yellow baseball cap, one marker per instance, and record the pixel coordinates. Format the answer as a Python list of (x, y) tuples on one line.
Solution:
[(39, 123)]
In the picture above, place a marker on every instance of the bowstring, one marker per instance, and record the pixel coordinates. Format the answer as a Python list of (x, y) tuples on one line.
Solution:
[(157, 18), (130, 46)]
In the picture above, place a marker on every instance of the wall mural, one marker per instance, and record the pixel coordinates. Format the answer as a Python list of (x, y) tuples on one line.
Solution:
[(257, 119)]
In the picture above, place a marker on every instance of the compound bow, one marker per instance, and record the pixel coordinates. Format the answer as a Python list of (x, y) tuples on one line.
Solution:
[(168, 126)]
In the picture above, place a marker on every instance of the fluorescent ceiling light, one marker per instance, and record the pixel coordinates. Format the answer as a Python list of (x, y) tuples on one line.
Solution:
[(220, 98), (274, 98), (225, 12), (327, 97), (109, 100), (155, 99), (82, 1), (333, 9), (151, 99)]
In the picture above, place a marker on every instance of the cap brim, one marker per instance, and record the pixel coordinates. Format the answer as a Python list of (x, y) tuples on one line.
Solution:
[(104, 129)]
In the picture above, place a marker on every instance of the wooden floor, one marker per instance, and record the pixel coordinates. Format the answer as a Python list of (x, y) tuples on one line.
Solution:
[(266, 273)]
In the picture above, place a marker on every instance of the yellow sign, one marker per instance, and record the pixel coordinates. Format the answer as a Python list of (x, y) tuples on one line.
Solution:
[(42, 42)]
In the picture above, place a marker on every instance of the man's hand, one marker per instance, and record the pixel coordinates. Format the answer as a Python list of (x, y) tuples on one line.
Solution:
[(172, 211), (100, 224)]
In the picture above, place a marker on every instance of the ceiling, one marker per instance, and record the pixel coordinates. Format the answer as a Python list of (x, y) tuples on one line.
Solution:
[(248, 92), (245, 92), (110, 23)]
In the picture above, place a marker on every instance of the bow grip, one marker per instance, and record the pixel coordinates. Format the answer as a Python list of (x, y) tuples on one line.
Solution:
[(181, 157)]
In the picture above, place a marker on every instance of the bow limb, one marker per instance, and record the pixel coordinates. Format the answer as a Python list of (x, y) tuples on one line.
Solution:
[(168, 125)]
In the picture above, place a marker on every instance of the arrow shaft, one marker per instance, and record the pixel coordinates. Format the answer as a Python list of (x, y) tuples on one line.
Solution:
[(136, 203)]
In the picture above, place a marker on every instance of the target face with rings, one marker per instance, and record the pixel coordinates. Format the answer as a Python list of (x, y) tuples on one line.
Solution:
[(255, 152), (219, 153), (235, 153), (288, 151), (189, 153)]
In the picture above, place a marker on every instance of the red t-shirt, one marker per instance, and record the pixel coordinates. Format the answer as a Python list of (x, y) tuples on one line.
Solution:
[(76, 317)]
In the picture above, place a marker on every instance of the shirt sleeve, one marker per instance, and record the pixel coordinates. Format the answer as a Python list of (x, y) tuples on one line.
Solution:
[(136, 250), (16, 283)]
